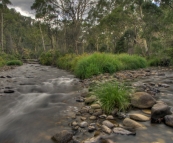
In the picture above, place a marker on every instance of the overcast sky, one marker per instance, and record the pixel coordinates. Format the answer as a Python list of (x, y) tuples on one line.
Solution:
[(23, 6)]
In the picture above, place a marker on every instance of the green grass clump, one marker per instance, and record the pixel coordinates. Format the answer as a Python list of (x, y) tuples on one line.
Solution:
[(98, 63), (132, 61), (14, 62), (112, 95), (69, 61)]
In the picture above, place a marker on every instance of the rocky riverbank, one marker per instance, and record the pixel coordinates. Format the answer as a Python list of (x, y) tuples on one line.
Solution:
[(147, 105)]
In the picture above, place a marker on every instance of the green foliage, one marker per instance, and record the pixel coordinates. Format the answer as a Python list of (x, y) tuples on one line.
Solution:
[(2, 62), (49, 58), (131, 61), (112, 95), (98, 63), (14, 62), (69, 61), (159, 61)]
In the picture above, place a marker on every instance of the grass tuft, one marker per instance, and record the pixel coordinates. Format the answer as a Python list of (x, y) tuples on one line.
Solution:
[(14, 62), (112, 95)]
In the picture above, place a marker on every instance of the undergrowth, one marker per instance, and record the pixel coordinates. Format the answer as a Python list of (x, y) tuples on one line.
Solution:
[(14, 62)]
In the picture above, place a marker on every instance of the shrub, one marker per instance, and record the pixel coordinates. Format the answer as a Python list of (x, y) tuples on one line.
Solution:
[(159, 61), (14, 62), (2, 62), (112, 95), (49, 57)]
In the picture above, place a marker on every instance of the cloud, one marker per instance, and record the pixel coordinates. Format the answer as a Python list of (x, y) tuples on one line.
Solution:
[(23, 6)]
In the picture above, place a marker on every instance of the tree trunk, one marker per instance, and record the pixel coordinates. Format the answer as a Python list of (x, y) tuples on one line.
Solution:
[(42, 38)]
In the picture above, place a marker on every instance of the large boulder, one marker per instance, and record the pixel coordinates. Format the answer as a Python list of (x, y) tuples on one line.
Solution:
[(169, 120), (139, 117), (132, 124), (142, 100), (159, 111), (63, 137)]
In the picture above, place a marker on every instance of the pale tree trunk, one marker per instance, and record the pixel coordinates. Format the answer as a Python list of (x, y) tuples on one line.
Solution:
[(42, 38)]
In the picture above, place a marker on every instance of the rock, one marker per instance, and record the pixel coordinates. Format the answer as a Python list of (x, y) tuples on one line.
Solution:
[(80, 99), (83, 124), (83, 118), (85, 94), (159, 111), (131, 123), (91, 128), (103, 116), (95, 106), (169, 120), (108, 124), (121, 115), (160, 74), (93, 118), (164, 85), (8, 76), (90, 100), (168, 81), (110, 117), (139, 117), (146, 111), (123, 131), (75, 128), (63, 137), (2, 76), (92, 140), (91, 111), (106, 129), (74, 123), (84, 110), (97, 112), (9, 91), (115, 111), (142, 100), (93, 124), (77, 114)]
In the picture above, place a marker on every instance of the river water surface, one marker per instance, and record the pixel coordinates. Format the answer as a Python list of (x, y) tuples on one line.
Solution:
[(41, 105)]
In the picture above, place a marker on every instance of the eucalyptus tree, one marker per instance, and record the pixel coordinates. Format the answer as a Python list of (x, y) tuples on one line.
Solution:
[(64, 14)]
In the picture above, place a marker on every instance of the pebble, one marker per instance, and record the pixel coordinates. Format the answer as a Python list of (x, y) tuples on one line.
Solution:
[(108, 124), (110, 117), (91, 128), (83, 118), (106, 129), (93, 118), (83, 124)]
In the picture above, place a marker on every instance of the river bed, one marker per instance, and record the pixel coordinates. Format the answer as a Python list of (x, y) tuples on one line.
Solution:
[(44, 103)]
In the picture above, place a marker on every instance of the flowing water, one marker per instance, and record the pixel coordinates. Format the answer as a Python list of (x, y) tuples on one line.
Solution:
[(44, 102), (41, 105)]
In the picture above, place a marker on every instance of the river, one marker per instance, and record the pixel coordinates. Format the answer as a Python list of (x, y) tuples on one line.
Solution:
[(44, 102), (41, 105)]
